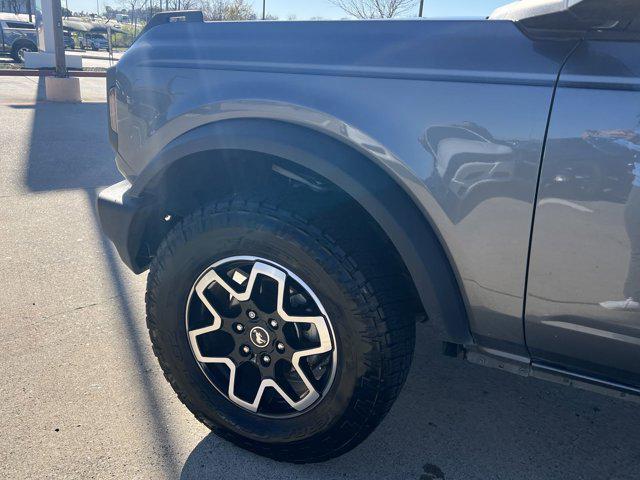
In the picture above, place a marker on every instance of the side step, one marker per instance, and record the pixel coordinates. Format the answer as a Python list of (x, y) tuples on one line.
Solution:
[(524, 367), (584, 382)]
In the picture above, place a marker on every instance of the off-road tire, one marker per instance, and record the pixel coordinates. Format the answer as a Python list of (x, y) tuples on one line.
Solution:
[(22, 45), (375, 332)]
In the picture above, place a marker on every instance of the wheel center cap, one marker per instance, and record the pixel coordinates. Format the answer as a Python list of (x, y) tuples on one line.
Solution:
[(259, 337)]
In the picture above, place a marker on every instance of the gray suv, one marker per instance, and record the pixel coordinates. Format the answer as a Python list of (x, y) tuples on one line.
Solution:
[(302, 193), (17, 36), (94, 42)]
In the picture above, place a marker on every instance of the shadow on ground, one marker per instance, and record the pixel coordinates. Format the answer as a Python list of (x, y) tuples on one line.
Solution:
[(77, 134), (84, 160)]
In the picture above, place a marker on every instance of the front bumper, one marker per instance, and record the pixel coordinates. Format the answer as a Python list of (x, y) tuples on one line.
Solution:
[(123, 219)]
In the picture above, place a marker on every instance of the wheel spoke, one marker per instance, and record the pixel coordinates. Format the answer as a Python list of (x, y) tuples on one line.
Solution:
[(269, 380)]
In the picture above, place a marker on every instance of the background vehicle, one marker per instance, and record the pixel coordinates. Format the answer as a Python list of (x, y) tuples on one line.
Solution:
[(69, 42), (303, 192), (17, 36), (94, 42)]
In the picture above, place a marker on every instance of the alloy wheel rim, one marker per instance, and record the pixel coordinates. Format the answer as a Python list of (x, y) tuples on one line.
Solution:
[(21, 52), (261, 336)]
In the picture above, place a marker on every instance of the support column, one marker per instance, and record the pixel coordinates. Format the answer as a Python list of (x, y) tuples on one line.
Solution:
[(58, 40), (60, 88), (46, 25)]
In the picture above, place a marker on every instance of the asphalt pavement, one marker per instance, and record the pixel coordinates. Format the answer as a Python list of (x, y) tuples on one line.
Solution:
[(81, 395)]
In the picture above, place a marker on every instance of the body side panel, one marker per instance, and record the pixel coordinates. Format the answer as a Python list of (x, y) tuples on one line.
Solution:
[(585, 257)]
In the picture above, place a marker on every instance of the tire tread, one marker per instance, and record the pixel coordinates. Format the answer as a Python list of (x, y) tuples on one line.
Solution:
[(382, 312)]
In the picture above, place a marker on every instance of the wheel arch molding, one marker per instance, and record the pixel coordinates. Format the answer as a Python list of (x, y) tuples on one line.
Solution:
[(351, 170)]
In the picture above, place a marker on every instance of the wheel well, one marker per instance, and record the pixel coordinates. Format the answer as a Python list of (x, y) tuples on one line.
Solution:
[(21, 42), (341, 188), (202, 178)]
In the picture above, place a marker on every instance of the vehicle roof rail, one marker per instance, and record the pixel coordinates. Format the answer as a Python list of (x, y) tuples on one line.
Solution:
[(189, 16), (573, 17)]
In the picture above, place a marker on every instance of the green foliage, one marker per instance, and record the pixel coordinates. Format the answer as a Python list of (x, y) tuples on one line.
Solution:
[(125, 38)]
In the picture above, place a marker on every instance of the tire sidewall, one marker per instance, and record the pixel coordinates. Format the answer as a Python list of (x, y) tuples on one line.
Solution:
[(258, 236), (22, 45)]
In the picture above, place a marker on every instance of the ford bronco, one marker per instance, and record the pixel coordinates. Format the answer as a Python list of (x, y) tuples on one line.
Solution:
[(302, 193)]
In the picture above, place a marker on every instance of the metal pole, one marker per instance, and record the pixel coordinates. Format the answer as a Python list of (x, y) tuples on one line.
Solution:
[(264, 9), (58, 39), (110, 46), (421, 7)]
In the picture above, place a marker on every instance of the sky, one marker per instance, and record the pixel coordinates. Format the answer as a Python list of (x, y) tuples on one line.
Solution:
[(304, 9)]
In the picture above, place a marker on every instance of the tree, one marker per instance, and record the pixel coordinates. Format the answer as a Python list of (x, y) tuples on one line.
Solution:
[(134, 7), (189, 5), (375, 8), (16, 6), (180, 4), (228, 10)]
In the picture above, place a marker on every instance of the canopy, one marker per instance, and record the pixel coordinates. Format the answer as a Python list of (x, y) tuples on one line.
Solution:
[(85, 25)]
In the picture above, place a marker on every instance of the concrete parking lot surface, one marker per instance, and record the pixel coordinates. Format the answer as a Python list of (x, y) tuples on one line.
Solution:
[(81, 395)]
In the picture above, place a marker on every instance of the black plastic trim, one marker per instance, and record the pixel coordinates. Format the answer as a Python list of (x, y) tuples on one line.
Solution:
[(122, 218), (161, 18), (585, 382)]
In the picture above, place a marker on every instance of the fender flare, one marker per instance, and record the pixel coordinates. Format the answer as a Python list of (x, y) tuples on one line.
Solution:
[(353, 171)]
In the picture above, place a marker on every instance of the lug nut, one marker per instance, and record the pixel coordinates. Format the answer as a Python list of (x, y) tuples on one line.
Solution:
[(239, 327), (273, 323), (245, 350), (251, 314), (266, 360), (280, 347)]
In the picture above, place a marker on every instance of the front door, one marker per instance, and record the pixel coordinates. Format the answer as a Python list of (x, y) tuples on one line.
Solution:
[(583, 297)]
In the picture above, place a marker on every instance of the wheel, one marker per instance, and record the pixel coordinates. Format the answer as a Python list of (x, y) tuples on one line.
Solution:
[(271, 335), (20, 49)]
